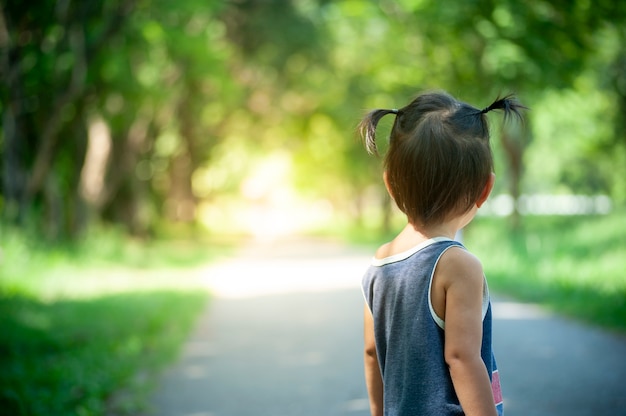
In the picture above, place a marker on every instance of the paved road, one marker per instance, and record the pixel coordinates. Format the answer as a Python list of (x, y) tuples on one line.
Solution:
[(283, 338)]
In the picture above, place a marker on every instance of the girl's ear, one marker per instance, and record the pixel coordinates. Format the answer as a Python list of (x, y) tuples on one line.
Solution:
[(486, 190)]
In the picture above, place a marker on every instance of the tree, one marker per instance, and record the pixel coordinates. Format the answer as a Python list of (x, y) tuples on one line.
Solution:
[(47, 52), (164, 83), (68, 65)]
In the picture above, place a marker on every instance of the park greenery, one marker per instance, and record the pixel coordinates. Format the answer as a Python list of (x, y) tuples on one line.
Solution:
[(139, 136), (86, 329), (145, 112)]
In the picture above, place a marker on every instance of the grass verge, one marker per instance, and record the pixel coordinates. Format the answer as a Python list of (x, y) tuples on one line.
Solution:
[(575, 266), (88, 356), (86, 328)]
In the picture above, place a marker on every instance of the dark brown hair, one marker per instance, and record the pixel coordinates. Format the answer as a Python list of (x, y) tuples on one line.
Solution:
[(439, 158)]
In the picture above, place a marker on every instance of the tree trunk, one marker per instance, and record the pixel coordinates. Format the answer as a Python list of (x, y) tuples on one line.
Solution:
[(514, 143), (14, 171), (181, 202), (14, 175), (121, 200), (76, 206)]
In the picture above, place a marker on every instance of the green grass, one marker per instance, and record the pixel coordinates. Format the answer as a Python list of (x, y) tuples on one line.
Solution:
[(575, 266), (86, 327), (88, 357)]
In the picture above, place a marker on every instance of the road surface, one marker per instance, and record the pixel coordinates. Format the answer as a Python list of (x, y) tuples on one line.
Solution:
[(283, 337)]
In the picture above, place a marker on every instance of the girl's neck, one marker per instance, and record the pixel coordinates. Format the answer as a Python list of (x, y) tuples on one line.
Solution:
[(447, 228), (408, 238), (426, 233), (413, 235)]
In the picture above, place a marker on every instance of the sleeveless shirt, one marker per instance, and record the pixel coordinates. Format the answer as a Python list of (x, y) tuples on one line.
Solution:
[(410, 337)]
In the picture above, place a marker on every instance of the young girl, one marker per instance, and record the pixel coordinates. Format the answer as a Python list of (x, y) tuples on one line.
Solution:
[(428, 314)]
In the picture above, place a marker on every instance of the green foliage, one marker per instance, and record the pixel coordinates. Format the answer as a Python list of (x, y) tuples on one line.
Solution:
[(193, 93), (564, 150)]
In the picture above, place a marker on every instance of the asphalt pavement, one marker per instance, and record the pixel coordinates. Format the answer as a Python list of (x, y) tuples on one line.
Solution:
[(283, 337)]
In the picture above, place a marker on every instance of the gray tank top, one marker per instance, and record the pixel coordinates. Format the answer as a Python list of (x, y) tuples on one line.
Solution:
[(410, 337)]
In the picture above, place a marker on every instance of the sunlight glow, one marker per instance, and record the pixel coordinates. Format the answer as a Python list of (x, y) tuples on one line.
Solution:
[(260, 277), (269, 206)]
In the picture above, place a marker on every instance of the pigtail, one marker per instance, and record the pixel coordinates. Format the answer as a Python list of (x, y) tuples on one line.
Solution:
[(508, 104), (367, 128)]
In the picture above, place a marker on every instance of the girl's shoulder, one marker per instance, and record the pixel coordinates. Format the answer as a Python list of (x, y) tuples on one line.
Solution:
[(384, 251), (458, 262)]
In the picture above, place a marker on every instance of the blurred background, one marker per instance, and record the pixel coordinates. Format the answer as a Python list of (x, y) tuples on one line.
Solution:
[(144, 114), (128, 125)]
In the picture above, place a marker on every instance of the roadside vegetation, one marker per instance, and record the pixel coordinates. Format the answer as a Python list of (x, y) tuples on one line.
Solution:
[(572, 265), (87, 327)]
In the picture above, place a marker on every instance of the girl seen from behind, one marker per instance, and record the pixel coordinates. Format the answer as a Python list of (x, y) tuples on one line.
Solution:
[(427, 316)]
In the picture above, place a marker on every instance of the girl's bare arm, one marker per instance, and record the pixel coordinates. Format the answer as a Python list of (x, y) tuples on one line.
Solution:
[(460, 274), (373, 378)]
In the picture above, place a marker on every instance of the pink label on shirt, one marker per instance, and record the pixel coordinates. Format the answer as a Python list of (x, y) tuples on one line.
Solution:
[(496, 388)]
